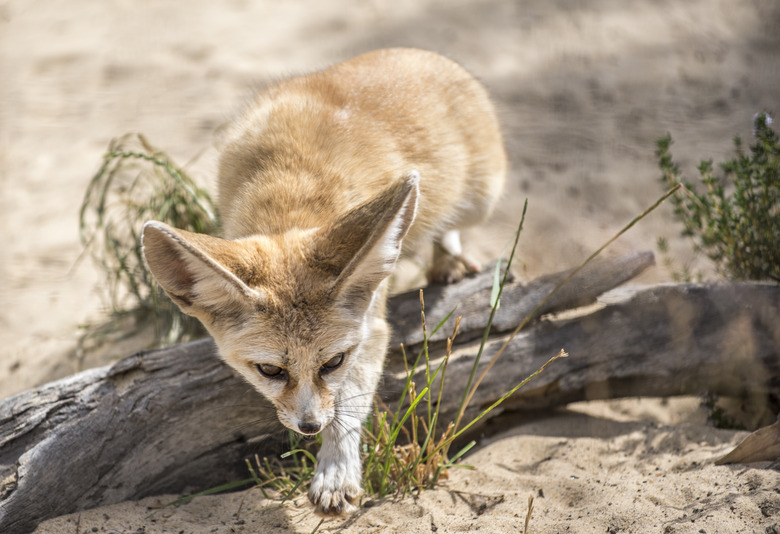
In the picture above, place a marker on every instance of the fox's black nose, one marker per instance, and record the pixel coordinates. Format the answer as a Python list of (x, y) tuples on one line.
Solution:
[(309, 427)]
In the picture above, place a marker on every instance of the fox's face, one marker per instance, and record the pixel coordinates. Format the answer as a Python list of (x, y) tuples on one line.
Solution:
[(292, 313), (297, 356)]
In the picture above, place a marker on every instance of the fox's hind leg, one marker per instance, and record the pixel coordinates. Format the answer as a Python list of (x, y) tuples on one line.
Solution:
[(450, 264)]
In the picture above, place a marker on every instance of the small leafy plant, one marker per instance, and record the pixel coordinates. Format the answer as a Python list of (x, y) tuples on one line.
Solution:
[(735, 219), (135, 183)]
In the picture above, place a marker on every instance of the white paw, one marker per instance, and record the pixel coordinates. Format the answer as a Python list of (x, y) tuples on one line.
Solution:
[(335, 488)]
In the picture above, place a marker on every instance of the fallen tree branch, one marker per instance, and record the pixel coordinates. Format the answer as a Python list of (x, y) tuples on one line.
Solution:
[(471, 299), (659, 341), (177, 420)]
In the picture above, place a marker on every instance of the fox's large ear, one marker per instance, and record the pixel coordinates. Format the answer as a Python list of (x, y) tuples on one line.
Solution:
[(196, 270), (361, 250)]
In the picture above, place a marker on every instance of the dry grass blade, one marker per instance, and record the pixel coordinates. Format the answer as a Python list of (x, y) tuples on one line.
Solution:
[(528, 514), (563, 282)]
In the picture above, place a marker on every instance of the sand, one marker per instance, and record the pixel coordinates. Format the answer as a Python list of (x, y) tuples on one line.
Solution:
[(583, 89), (618, 466)]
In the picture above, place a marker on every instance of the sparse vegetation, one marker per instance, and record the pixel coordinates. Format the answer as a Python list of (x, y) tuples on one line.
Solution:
[(400, 466), (735, 218), (286, 478), (135, 183), (277, 477)]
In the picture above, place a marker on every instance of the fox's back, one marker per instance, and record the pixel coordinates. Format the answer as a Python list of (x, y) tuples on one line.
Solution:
[(313, 147)]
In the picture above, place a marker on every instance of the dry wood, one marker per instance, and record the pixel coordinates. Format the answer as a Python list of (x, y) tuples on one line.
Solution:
[(177, 420), (659, 341), (762, 445)]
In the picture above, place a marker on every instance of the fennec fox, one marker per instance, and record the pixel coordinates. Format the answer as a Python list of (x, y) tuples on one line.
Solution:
[(319, 184)]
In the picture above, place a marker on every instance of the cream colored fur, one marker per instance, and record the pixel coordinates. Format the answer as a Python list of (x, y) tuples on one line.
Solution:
[(321, 183)]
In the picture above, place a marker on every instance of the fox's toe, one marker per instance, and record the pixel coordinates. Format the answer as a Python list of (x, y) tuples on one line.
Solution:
[(333, 493), (449, 269), (334, 503)]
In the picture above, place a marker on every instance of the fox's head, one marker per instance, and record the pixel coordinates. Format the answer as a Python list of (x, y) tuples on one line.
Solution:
[(292, 313)]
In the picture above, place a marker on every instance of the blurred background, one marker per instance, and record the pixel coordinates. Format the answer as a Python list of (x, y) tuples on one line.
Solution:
[(583, 88)]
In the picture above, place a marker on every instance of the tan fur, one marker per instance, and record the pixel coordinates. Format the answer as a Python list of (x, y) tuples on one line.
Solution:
[(320, 184)]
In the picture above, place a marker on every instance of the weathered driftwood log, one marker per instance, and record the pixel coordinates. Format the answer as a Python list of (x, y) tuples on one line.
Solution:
[(178, 420), (659, 341)]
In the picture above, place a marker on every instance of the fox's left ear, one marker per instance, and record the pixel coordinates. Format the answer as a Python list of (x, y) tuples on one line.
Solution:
[(362, 249), (197, 271)]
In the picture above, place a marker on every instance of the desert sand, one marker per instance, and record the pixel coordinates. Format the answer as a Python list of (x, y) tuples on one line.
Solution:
[(619, 466), (583, 90)]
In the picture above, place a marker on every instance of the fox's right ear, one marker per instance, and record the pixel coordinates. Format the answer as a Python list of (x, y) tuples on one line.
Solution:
[(196, 270), (362, 248)]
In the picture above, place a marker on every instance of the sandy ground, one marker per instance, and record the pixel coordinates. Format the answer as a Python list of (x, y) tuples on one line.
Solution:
[(583, 88), (619, 466)]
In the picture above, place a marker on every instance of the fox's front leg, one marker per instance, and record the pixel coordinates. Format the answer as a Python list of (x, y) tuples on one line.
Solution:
[(337, 481)]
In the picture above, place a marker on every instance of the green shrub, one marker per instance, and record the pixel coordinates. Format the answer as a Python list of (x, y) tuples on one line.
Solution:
[(735, 218), (135, 183)]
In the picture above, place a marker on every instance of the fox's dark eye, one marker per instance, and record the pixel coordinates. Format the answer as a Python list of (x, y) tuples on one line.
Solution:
[(272, 371), (332, 364)]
